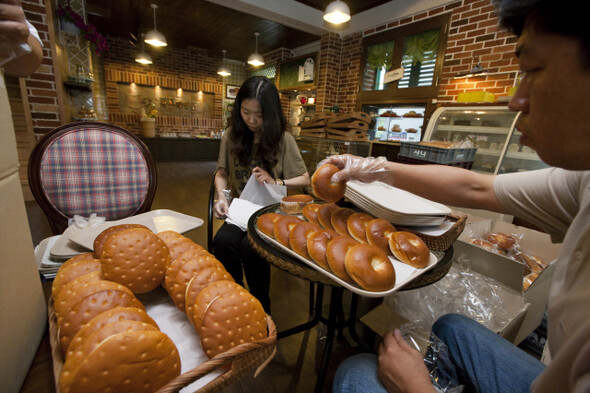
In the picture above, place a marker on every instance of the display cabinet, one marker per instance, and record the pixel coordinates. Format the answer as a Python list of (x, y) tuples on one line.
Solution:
[(395, 122), (489, 128)]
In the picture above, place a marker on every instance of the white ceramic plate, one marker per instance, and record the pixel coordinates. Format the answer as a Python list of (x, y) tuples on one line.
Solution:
[(403, 273), (155, 220)]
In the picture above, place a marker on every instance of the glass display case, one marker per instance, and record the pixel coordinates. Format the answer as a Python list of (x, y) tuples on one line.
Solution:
[(492, 130), (313, 150), (395, 122)]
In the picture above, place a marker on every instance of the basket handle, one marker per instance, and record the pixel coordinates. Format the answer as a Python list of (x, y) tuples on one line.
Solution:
[(223, 359)]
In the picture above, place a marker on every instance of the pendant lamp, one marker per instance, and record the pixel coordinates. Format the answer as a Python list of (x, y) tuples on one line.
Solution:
[(142, 57), (223, 70), (337, 12), (154, 37), (255, 59)]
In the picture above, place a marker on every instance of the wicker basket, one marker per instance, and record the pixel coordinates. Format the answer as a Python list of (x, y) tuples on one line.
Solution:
[(237, 361), (444, 241)]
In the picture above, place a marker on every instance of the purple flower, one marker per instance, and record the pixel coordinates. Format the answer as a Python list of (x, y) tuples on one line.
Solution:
[(90, 33)]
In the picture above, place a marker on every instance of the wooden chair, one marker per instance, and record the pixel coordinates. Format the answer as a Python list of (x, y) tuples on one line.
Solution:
[(91, 167)]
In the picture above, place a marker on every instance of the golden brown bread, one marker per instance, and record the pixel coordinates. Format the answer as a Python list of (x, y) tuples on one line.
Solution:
[(102, 237), (370, 268), (294, 204), (357, 225), (336, 255), (298, 237), (409, 249), (322, 185)]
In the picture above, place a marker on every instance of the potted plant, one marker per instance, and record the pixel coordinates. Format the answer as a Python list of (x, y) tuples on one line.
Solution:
[(148, 122)]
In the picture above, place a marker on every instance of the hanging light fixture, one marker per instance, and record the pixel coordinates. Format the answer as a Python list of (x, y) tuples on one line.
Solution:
[(142, 57), (223, 70), (337, 12), (255, 59), (154, 37)]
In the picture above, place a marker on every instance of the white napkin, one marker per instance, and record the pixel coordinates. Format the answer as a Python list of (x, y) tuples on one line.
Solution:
[(255, 196), (83, 222)]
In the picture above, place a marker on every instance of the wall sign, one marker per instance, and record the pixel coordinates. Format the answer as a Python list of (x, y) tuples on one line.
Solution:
[(298, 73)]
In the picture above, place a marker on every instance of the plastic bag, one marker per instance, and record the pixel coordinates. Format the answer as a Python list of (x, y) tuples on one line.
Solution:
[(83, 222), (462, 291), (436, 357), (365, 169)]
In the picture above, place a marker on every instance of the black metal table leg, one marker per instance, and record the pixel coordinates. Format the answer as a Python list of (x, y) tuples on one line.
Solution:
[(317, 315), (335, 304)]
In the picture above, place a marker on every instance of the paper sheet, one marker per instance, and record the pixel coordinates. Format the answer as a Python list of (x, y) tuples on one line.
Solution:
[(255, 196)]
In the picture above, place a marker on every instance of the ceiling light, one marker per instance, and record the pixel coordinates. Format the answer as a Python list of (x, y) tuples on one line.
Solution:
[(142, 57), (337, 12), (223, 70), (154, 37), (255, 59)]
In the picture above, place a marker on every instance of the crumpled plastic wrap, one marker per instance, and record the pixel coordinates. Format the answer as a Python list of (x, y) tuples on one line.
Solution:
[(365, 169), (436, 357), (462, 291), (86, 222)]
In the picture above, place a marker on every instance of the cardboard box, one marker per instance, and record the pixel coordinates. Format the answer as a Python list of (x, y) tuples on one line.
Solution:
[(511, 272), (24, 314)]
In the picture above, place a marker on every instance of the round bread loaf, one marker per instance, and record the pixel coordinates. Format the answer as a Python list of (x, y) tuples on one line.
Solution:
[(370, 268), (185, 273), (266, 223), (340, 219), (502, 240), (357, 226), (78, 258), (206, 296), (299, 235), (175, 265), (136, 258), (89, 307), (409, 249), (177, 243), (75, 291), (378, 232), (102, 237), (76, 356), (323, 186), (317, 244), (325, 212), (231, 319), (134, 361), (294, 204), (199, 282), (336, 254), (112, 315), (72, 271), (283, 228)]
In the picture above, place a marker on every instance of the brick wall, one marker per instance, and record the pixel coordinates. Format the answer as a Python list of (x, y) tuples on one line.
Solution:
[(189, 69), (42, 85), (473, 32)]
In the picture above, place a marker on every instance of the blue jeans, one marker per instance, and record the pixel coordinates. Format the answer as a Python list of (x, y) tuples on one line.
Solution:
[(481, 360)]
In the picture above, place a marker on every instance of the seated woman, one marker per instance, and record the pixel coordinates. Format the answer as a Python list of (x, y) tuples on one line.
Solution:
[(255, 144)]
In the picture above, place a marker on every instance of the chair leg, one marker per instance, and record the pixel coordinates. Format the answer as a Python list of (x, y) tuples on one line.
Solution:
[(311, 297)]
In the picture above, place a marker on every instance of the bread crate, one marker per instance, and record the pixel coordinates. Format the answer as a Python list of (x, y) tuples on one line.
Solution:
[(436, 155)]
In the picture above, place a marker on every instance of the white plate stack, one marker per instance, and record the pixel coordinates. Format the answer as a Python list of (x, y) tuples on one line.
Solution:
[(395, 205)]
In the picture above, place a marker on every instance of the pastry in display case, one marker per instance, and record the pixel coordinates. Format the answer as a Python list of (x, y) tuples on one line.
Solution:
[(519, 158), (395, 122)]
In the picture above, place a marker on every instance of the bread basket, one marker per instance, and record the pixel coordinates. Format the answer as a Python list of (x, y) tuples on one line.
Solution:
[(236, 362), (444, 241)]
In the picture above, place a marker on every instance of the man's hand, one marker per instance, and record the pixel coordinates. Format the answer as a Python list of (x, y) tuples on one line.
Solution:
[(401, 368)]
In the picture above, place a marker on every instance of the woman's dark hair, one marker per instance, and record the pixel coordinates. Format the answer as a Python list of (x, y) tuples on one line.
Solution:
[(548, 16), (273, 126)]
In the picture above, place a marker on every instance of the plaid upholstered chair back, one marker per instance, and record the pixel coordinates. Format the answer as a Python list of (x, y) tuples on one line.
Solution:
[(90, 167)]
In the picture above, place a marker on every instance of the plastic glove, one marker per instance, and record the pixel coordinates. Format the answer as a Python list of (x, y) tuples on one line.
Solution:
[(364, 169), (221, 208)]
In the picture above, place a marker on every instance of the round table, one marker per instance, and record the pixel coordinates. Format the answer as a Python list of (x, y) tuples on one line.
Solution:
[(282, 260)]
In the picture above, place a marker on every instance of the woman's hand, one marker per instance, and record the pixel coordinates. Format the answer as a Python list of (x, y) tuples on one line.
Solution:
[(262, 176), (221, 207), (401, 368), (365, 169)]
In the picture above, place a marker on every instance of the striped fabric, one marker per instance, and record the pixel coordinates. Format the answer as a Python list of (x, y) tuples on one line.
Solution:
[(94, 171)]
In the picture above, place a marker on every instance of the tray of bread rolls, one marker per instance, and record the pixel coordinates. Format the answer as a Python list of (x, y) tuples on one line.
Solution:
[(349, 247), (153, 312)]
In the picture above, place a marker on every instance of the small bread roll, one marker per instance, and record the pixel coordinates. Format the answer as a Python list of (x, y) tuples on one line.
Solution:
[(310, 212), (336, 254), (502, 240), (71, 271), (378, 232), (340, 219), (177, 243), (266, 223), (206, 296), (294, 204), (357, 226), (323, 187), (299, 235), (102, 237), (325, 212), (317, 245), (282, 228), (409, 249), (200, 281), (370, 268)]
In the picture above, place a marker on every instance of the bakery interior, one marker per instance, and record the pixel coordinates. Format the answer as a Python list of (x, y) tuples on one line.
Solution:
[(179, 106)]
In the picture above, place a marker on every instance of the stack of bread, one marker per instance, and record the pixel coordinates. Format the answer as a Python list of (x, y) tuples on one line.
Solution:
[(508, 245), (353, 245), (109, 342)]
